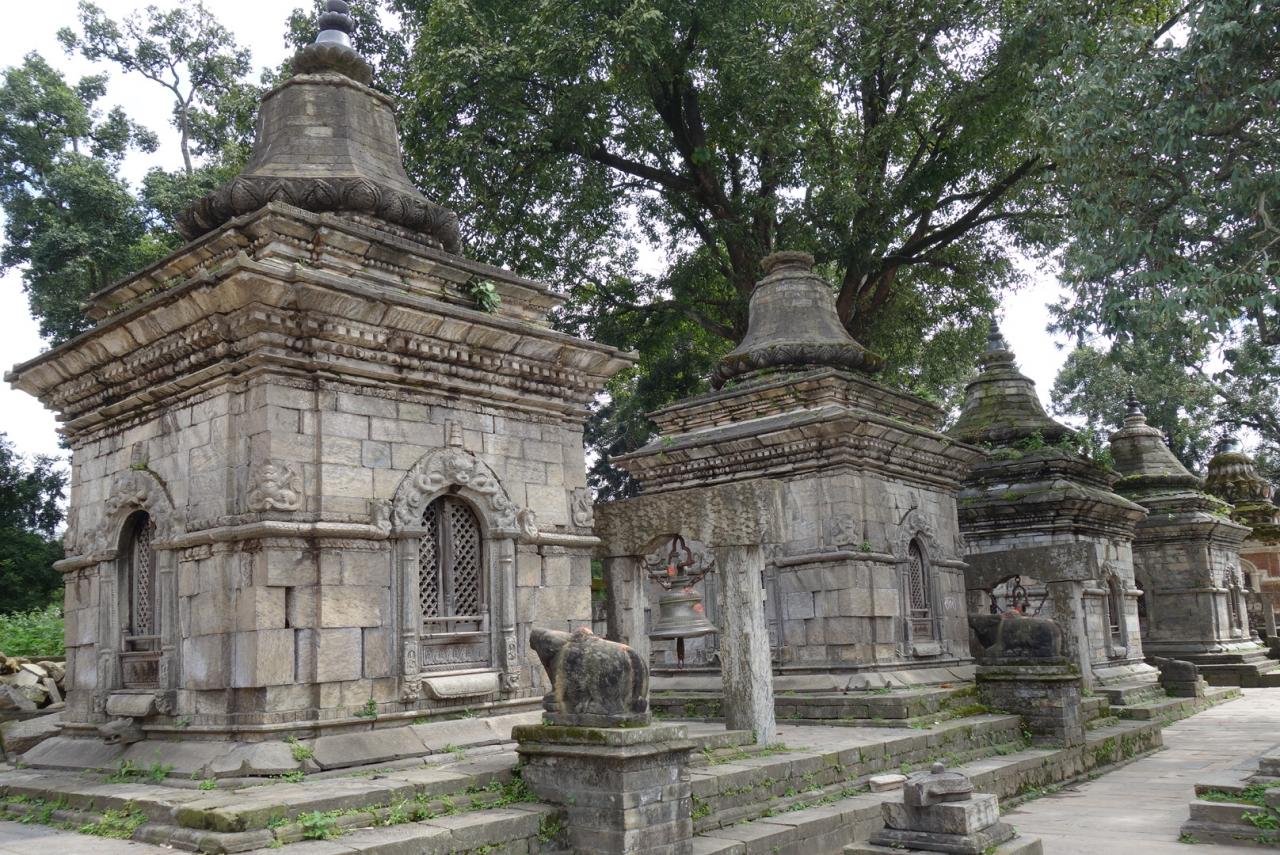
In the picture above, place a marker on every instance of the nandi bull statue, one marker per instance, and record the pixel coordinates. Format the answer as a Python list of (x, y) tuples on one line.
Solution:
[(594, 682)]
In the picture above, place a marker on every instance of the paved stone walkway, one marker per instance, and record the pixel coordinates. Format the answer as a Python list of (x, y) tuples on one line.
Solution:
[(1138, 809)]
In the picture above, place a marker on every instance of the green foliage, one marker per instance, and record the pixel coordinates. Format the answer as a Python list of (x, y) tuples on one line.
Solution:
[(578, 138), (1165, 157), (297, 776), (299, 751), (119, 824), (38, 632), (191, 55), (319, 825), (369, 710), (69, 221), (208, 784)]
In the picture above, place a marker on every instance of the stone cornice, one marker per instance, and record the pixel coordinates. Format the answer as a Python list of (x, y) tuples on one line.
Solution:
[(801, 441), (362, 248), (772, 395), (251, 313)]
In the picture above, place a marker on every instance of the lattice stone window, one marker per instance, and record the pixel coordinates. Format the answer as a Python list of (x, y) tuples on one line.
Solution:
[(1233, 605), (1114, 604), (451, 587), (919, 597), (140, 648)]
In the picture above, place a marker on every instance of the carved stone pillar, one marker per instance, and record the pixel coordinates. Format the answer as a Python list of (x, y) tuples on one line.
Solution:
[(747, 668), (627, 593)]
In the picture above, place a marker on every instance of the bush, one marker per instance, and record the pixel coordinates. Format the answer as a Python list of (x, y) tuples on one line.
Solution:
[(34, 633)]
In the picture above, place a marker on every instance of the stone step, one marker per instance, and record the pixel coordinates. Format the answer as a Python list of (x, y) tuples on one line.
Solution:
[(848, 815), (1104, 721), (858, 706), (1229, 823), (1094, 707), (1130, 693), (1170, 709), (748, 786)]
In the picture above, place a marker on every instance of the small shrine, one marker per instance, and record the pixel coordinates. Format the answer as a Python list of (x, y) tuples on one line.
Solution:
[(1043, 531), (861, 569), (1233, 477), (1186, 558), (314, 484)]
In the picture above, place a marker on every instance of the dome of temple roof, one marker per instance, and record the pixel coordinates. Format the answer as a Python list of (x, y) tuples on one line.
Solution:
[(327, 142)]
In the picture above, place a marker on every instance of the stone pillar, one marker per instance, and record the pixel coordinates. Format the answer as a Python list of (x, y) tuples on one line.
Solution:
[(1046, 696), (625, 791), (746, 664), (627, 594)]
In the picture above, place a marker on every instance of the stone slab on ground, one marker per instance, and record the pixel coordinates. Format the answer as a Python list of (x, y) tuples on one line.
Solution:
[(1017, 846), (20, 737), (18, 839)]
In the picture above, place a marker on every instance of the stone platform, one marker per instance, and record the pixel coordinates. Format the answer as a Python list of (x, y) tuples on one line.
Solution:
[(808, 795)]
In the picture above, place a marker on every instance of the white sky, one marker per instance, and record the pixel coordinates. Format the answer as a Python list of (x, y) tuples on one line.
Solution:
[(260, 26)]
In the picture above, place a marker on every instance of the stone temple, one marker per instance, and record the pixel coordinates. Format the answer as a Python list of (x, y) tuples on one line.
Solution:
[(864, 574), (330, 547), (311, 481)]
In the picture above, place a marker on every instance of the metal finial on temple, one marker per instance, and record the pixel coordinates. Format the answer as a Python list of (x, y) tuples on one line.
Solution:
[(336, 24), (995, 340), (1135, 408)]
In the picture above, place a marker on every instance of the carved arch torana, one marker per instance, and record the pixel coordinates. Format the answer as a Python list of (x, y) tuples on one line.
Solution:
[(455, 472), (916, 528), (133, 491)]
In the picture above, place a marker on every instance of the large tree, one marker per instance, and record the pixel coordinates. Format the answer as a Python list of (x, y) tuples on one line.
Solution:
[(30, 513), (1168, 156), (69, 221), (898, 142)]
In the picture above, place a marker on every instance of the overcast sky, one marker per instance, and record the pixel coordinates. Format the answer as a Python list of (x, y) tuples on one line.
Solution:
[(260, 26)]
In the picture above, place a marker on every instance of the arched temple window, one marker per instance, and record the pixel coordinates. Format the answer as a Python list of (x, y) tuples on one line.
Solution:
[(451, 588), (1233, 605), (919, 595), (1114, 602), (139, 623)]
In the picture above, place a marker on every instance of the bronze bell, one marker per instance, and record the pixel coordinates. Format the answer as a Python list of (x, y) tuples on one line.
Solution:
[(681, 614)]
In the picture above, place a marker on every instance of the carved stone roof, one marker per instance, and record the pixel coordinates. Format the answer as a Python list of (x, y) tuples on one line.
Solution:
[(1142, 457), (1153, 477), (1000, 404), (327, 142), (793, 325), (1233, 478)]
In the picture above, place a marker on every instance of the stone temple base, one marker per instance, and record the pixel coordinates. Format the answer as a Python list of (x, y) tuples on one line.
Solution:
[(227, 759)]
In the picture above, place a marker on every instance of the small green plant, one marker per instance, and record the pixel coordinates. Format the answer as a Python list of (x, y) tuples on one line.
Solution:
[(551, 827), (369, 710), (118, 824), (455, 750), (865, 546), (158, 771), (123, 774), (1264, 820), (1187, 837), (302, 752), (700, 809), (183, 721), (208, 784), (319, 826), (485, 295), (297, 776)]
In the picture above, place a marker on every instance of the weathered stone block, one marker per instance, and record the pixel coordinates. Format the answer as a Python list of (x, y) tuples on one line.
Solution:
[(263, 658), (339, 654), (351, 605)]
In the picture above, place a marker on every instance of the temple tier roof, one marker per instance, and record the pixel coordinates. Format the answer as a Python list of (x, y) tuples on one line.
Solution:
[(327, 142)]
